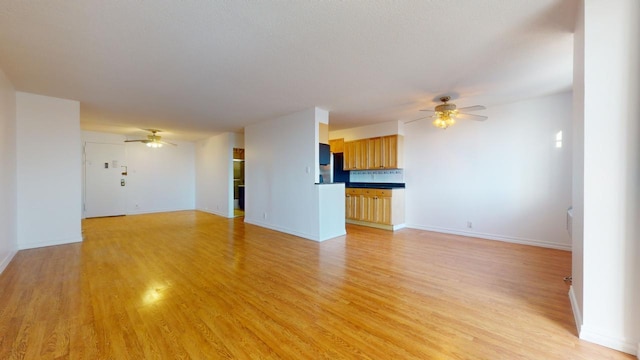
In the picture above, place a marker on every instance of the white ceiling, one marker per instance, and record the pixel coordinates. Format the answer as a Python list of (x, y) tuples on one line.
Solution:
[(195, 68)]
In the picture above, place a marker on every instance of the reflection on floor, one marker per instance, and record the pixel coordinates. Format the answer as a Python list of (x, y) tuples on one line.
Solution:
[(238, 213)]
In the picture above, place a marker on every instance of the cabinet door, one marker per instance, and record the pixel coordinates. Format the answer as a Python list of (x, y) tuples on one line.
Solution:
[(336, 145), (366, 205), (390, 152), (383, 210), (369, 203), (375, 158), (348, 209), (361, 154), (349, 156), (359, 205)]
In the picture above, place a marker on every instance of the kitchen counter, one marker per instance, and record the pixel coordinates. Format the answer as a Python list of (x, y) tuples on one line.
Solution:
[(375, 185)]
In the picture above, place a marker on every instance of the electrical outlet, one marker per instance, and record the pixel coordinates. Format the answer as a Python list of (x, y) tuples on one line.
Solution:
[(469, 224)]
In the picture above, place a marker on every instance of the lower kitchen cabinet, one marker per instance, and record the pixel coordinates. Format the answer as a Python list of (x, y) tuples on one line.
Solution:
[(382, 208)]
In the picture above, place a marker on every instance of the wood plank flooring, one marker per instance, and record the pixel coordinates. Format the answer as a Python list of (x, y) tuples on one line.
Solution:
[(193, 285)]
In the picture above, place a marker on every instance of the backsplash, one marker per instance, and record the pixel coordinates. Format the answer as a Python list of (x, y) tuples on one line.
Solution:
[(377, 176)]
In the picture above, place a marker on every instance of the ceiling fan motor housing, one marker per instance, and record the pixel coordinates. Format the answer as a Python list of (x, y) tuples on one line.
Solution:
[(446, 108)]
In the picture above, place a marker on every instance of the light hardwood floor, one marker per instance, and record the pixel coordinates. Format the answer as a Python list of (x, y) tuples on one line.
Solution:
[(194, 285)]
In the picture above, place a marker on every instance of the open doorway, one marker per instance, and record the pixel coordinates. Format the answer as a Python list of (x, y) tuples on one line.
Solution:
[(238, 182)]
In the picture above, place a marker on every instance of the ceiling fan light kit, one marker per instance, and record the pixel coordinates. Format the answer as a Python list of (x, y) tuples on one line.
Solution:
[(443, 121)]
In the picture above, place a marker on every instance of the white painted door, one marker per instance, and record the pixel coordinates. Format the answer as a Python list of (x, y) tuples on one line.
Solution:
[(104, 180)]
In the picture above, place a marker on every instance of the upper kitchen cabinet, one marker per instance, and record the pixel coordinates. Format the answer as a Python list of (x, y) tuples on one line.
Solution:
[(392, 154), (374, 153), (355, 155), (336, 145)]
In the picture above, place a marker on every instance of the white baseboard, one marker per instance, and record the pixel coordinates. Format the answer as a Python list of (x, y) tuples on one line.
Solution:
[(577, 314), (638, 351), (216, 213), (153, 211), (594, 336), (52, 242), (509, 239), (7, 259), (399, 226), (280, 229)]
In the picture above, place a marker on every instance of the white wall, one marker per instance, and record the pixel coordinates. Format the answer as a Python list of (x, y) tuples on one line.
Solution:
[(238, 140), (48, 171), (504, 175), (280, 161), (369, 131), (611, 250), (159, 179), (8, 187), (214, 174)]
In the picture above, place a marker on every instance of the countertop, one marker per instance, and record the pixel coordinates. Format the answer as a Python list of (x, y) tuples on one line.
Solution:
[(375, 185)]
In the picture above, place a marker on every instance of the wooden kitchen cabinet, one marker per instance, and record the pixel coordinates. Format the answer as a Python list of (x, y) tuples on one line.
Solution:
[(382, 208), (349, 155), (336, 145), (355, 155), (375, 158), (392, 146), (374, 153), (354, 204)]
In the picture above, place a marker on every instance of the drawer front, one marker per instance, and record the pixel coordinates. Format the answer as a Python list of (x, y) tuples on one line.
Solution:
[(368, 192), (385, 192)]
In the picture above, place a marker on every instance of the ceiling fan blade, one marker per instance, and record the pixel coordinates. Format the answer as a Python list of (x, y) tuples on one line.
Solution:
[(472, 108), (166, 143), (142, 141), (428, 110), (410, 121), (471, 117)]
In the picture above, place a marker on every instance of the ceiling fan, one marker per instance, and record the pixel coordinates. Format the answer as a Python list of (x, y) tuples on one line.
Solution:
[(153, 140), (446, 113)]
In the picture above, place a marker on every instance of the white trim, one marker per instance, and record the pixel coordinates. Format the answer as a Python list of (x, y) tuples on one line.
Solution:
[(283, 230), (509, 239), (216, 213), (62, 241), (638, 351), (153, 211), (577, 315), (5, 262), (620, 344)]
